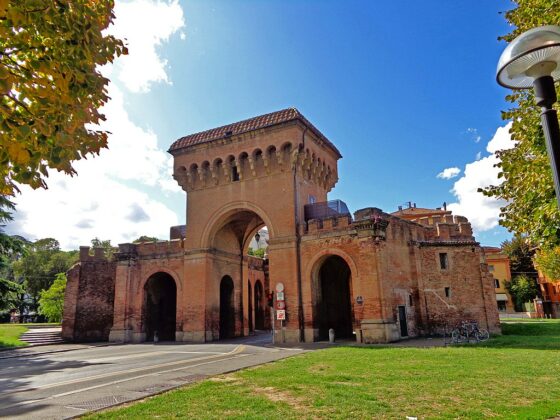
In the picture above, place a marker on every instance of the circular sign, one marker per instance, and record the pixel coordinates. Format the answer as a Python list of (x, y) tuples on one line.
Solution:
[(279, 287), (280, 304)]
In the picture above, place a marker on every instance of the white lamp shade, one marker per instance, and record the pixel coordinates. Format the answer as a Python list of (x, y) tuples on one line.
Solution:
[(531, 55)]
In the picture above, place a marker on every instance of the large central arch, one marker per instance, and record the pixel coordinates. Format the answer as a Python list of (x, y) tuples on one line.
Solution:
[(227, 237)]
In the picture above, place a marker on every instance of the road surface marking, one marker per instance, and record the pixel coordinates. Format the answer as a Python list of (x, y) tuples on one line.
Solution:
[(236, 350), (235, 356)]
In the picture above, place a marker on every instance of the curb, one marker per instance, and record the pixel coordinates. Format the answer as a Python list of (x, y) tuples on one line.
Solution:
[(39, 353)]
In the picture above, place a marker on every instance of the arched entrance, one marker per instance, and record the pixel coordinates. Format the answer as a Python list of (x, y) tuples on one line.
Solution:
[(249, 294), (231, 238), (334, 307), (227, 311), (160, 307), (259, 307)]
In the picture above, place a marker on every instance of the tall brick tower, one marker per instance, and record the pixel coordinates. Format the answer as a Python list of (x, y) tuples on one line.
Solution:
[(239, 178)]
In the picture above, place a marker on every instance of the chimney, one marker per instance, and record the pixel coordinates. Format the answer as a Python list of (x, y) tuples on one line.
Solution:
[(445, 206), (414, 205), (400, 208)]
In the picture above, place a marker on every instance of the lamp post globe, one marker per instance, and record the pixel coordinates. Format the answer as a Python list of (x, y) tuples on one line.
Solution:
[(533, 60)]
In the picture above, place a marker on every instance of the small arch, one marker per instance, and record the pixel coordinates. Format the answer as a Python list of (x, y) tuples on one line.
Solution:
[(205, 169), (272, 158), (250, 296), (259, 306), (160, 307), (217, 169), (333, 299), (227, 310)]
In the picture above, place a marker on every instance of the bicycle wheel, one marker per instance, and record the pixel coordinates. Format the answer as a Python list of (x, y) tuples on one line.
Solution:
[(457, 336), (482, 335)]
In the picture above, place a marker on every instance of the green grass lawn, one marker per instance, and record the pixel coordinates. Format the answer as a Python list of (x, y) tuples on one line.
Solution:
[(515, 376), (10, 333)]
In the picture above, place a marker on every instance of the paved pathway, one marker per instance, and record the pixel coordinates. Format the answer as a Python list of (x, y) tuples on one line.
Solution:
[(63, 384)]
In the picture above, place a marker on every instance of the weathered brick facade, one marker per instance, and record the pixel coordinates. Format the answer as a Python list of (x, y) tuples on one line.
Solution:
[(375, 275)]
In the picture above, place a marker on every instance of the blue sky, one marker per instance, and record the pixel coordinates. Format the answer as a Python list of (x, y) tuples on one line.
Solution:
[(404, 89)]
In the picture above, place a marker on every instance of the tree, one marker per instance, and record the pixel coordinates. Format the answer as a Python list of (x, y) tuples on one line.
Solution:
[(51, 88), (527, 179), (9, 294), (51, 301), (523, 289), (43, 261), (145, 238), (527, 186), (548, 261), (11, 248), (520, 252), (108, 249), (259, 252)]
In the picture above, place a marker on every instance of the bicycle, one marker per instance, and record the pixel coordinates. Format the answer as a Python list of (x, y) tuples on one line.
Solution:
[(465, 330)]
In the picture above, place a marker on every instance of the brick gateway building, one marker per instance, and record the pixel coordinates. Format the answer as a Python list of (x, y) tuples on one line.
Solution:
[(373, 276)]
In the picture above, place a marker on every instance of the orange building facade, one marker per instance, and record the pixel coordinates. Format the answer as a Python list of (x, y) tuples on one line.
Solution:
[(371, 276), (499, 267), (550, 291)]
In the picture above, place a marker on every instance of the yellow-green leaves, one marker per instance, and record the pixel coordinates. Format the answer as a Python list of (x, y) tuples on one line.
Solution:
[(525, 169), (49, 86)]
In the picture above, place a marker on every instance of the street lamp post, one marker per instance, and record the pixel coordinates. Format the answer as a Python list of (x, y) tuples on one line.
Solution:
[(533, 60)]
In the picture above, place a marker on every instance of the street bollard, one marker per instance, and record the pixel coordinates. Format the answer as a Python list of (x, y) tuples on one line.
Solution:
[(156, 338), (331, 335)]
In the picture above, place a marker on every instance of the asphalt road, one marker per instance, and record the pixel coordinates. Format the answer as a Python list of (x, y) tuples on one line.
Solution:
[(75, 380)]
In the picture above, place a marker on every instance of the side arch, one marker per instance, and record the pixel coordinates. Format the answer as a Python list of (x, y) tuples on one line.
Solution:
[(314, 264), (155, 270)]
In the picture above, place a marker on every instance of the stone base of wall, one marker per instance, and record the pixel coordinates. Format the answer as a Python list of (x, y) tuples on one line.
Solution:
[(120, 336), (378, 331)]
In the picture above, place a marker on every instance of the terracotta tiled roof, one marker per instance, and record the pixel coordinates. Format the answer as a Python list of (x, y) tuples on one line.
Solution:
[(245, 126)]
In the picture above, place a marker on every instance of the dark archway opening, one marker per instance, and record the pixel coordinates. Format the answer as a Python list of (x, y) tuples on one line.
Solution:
[(160, 306), (259, 306), (334, 307), (249, 293), (227, 312)]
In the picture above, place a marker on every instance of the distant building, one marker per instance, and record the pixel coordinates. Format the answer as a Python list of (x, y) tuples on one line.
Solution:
[(550, 290), (499, 267)]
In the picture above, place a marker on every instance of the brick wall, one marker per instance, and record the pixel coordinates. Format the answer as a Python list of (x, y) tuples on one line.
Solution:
[(90, 292)]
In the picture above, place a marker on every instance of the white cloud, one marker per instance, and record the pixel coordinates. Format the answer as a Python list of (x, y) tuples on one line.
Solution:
[(449, 173), (100, 201), (145, 25), (75, 210), (474, 134), (483, 212)]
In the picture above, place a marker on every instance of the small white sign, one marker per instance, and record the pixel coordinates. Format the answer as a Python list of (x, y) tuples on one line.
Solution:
[(280, 296), (279, 287), (281, 314)]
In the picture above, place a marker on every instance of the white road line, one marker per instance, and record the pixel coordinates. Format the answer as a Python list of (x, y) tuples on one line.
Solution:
[(152, 353), (236, 350)]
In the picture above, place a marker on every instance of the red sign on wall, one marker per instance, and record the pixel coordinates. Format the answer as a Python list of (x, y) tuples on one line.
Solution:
[(280, 304)]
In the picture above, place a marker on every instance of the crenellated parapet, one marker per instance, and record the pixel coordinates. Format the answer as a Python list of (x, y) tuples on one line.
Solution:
[(98, 254), (199, 174), (150, 250)]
